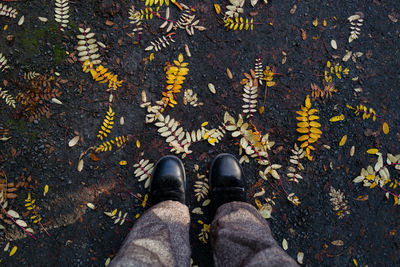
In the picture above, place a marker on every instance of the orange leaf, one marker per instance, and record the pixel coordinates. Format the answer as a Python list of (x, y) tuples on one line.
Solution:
[(94, 157)]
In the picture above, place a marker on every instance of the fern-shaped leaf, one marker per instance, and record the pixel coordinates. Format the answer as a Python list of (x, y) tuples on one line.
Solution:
[(9, 99), (161, 42), (308, 127), (239, 23), (148, 13), (102, 75), (143, 171), (158, 2), (87, 47), (250, 95), (258, 70), (61, 13), (134, 19), (356, 22), (363, 111), (107, 125), (3, 63), (7, 11), (118, 142), (189, 97)]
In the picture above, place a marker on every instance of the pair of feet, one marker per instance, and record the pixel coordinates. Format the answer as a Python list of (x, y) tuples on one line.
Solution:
[(168, 181)]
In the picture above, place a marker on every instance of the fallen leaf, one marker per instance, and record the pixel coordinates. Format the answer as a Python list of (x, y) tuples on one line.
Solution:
[(80, 165), (300, 257), (56, 101), (352, 150), (7, 246), (109, 23), (385, 128), (91, 206), (123, 162), (293, 9), (13, 214), (362, 198), (229, 73), (122, 121), (43, 19), (303, 34), (337, 243), (73, 141), (211, 87), (315, 22), (13, 250), (393, 18), (46, 189), (343, 140), (21, 21), (334, 44), (337, 118), (93, 157), (372, 151), (285, 244), (197, 211), (138, 143), (217, 8)]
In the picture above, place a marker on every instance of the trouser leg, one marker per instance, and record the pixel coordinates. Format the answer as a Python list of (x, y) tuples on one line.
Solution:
[(160, 237), (241, 237)]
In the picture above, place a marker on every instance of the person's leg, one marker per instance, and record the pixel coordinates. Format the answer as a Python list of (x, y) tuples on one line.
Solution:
[(239, 235), (160, 237)]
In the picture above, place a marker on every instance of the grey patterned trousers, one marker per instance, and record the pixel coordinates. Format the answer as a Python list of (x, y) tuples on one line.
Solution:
[(239, 237)]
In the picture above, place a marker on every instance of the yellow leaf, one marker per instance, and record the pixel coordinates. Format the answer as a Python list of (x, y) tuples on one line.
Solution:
[(313, 117), (258, 203), (138, 143), (302, 113), (46, 189), (261, 110), (123, 162), (343, 140), (316, 131), (217, 8), (385, 128), (315, 22), (315, 124), (302, 130), (308, 102), (303, 124), (180, 58), (337, 118), (13, 250), (372, 151), (151, 57), (370, 177), (303, 138), (324, 23), (355, 262), (204, 124)]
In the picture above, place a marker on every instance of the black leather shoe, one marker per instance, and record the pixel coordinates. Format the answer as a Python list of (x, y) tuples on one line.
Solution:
[(226, 181), (168, 181)]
